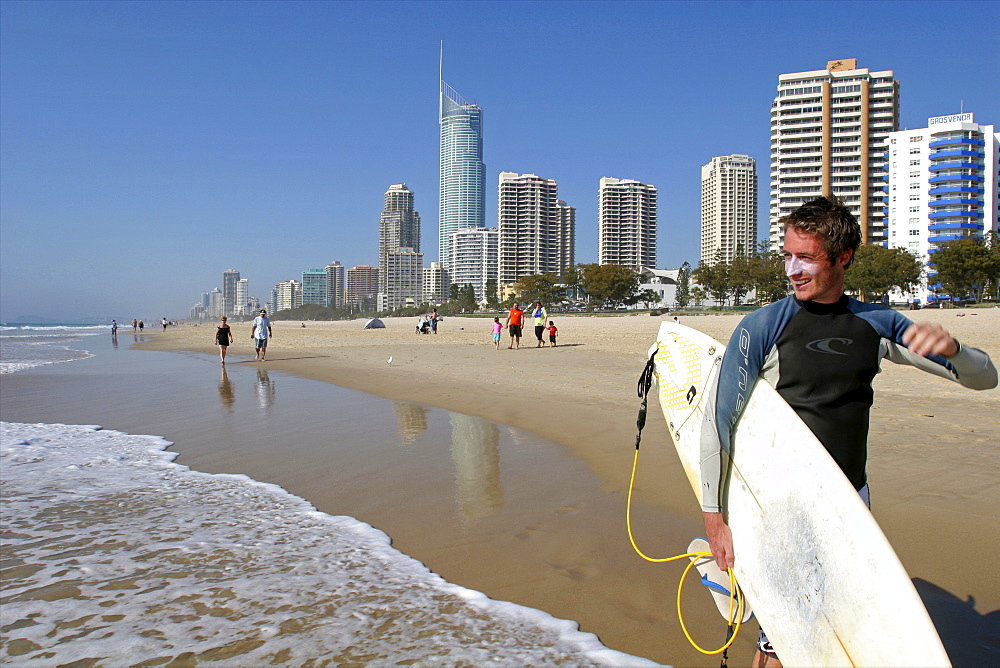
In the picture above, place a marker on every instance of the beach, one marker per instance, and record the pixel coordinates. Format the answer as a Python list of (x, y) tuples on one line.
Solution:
[(506, 471), (933, 465)]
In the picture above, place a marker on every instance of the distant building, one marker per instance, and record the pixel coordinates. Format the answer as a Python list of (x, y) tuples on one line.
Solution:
[(535, 227), (728, 207), (216, 304), (230, 278), (336, 284), (287, 295), (404, 272), (362, 286), (242, 306), (435, 283), (473, 260), (829, 130), (314, 287), (463, 173), (627, 222), (399, 228), (943, 184)]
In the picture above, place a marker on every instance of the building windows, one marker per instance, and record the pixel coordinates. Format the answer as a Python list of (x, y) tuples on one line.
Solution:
[(914, 151)]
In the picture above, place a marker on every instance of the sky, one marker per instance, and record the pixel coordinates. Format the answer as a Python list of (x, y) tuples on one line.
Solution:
[(146, 147)]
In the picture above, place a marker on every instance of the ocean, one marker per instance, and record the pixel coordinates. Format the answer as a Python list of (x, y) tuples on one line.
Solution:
[(114, 553)]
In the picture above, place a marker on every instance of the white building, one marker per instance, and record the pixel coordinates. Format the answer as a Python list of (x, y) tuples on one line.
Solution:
[(404, 277), (286, 295), (399, 227), (535, 231), (473, 259), (942, 185), (627, 223), (728, 207), (829, 130), (435, 283), (242, 297)]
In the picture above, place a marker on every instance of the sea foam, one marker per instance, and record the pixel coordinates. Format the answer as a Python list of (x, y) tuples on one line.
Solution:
[(113, 553)]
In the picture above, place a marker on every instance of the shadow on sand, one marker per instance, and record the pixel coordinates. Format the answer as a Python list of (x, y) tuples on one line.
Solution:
[(970, 638)]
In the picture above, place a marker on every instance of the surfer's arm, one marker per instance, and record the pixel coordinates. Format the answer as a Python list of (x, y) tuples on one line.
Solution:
[(930, 347), (720, 539)]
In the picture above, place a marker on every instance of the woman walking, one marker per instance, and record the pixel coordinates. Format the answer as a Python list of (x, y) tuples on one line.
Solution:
[(224, 337), (540, 316)]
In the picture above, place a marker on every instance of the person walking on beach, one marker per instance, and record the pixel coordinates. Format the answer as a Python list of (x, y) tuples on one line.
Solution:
[(223, 337), (820, 350), (114, 328), (552, 334), (497, 330), (141, 325), (260, 333), (135, 324), (164, 322), (434, 321), (513, 324), (540, 314)]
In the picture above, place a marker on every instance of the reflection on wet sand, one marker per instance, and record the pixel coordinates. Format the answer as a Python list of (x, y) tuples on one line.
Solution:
[(475, 449), (412, 421), (265, 390), (226, 392)]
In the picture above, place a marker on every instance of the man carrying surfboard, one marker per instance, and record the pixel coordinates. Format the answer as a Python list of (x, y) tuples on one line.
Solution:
[(820, 350)]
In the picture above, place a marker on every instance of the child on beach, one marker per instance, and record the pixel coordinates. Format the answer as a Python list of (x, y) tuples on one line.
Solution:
[(552, 334), (497, 330)]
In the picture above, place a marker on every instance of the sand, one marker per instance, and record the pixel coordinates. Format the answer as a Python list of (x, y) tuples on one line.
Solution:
[(933, 463)]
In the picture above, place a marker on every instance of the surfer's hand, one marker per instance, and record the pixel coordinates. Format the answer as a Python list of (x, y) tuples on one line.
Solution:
[(929, 338), (720, 540)]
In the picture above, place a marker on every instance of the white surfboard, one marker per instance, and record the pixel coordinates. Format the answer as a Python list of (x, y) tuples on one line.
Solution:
[(822, 578)]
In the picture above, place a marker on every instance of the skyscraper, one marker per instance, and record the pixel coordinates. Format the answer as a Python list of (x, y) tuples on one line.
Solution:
[(404, 272), (533, 229), (399, 227), (230, 277), (728, 206), (943, 184), (242, 297), (335, 285), (314, 287), (286, 295), (627, 223), (473, 259), (463, 174), (828, 137), (362, 285)]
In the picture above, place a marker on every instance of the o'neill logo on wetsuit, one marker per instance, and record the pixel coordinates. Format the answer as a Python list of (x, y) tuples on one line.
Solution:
[(826, 345)]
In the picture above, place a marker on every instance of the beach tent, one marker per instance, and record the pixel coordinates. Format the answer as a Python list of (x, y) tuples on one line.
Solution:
[(374, 323)]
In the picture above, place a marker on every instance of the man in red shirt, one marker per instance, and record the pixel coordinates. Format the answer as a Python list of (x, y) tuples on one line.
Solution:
[(513, 324)]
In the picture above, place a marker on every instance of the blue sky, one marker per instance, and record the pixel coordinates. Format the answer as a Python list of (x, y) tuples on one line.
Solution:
[(145, 147)]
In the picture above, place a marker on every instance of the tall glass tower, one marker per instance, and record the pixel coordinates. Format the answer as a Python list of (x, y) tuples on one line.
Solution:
[(463, 174)]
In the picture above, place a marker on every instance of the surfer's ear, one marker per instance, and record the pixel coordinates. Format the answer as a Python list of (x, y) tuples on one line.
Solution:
[(846, 258)]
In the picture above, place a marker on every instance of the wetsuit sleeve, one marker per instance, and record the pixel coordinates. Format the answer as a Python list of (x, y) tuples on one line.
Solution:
[(970, 367)]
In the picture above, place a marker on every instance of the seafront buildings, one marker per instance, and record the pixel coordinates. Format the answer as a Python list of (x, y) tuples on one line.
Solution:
[(314, 287), (286, 295), (829, 132), (230, 278), (362, 286), (242, 297), (463, 173), (473, 260), (535, 228), (435, 284), (943, 184), (627, 223), (398, 249), (728, 207), (335, 284)]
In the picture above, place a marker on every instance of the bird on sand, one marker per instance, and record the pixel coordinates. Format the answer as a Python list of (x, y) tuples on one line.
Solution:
[(390, 361)]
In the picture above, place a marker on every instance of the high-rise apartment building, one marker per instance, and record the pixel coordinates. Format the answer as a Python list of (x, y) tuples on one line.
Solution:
[(399, 227), (463, 173), (242, 297), (943, 184), (627, 223), (405, 276), (435, 283), (335, 284), (314, 287), (828, 137), (287, 295), (230, 277), (728, 207), (473, 259), (535, 228), (362, 285)]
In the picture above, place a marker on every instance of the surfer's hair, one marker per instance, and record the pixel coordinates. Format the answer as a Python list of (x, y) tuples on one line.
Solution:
[(831, 220)]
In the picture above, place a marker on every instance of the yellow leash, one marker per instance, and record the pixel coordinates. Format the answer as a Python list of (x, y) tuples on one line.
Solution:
[(735, 596)]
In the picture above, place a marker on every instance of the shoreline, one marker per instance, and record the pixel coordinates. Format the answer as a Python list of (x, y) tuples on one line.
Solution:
[(931, 476)]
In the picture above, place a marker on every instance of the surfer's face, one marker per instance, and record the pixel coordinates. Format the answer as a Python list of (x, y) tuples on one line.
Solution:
[(813, 275)]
